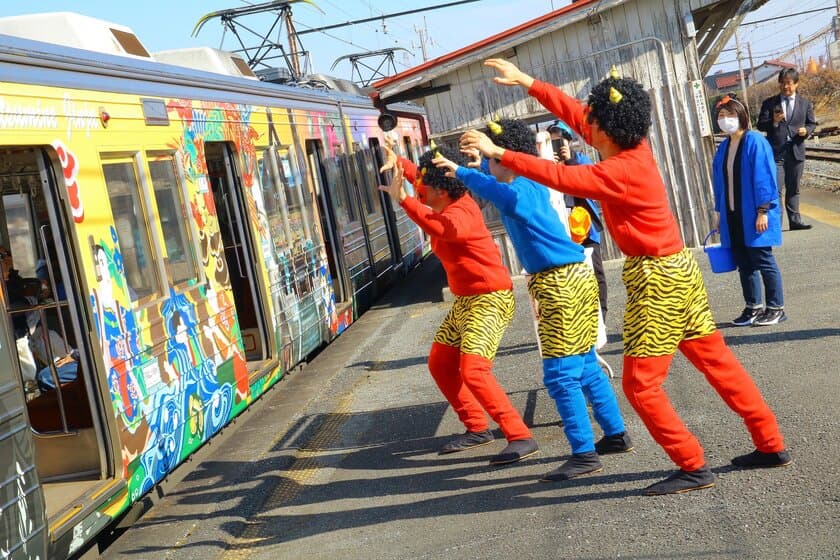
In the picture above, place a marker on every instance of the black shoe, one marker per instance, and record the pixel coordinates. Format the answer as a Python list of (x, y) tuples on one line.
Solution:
[(578, 465), (748, 316), (760, 460), (515, 451), (618, 443), (770, 317), (467, 440), (682, 481), (797, 226)]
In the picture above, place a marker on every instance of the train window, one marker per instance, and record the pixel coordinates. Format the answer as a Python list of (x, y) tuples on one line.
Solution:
[(363, 181), (345, 212), (275, 207), (410, 153), (132, 228), (299, 211), (18, 214), (181, 262)]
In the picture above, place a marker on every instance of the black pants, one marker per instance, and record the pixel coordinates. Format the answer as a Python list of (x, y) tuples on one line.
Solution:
[(788, 173)]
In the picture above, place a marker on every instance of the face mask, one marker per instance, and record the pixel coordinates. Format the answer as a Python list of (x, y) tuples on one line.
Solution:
[(729, 124)]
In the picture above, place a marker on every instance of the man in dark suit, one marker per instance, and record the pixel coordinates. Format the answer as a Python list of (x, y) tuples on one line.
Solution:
[(788, 119)]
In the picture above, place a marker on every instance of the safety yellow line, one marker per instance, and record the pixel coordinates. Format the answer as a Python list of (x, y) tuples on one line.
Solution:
[(821, 214), (304, 467)]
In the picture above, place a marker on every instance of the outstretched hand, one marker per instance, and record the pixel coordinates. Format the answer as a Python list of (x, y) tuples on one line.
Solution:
[(475, 140), (450, 166), (474, 157), (509, 74), (390, 158), (396, 190)]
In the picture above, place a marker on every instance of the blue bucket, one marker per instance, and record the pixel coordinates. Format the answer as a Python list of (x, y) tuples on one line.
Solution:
[(721, 258)]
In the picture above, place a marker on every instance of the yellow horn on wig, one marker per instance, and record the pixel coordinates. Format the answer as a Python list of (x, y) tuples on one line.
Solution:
[(615, 95), (494, 127), (434, 149), (614, 73)]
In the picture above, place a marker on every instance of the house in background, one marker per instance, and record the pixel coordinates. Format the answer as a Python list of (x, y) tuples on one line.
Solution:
[(727, 81)]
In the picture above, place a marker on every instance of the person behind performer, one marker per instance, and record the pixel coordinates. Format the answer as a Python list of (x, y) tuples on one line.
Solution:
[(24, 292), (562, 137), (749, 217), (566, 292), (465, 344), (667, 306), (788, 119)]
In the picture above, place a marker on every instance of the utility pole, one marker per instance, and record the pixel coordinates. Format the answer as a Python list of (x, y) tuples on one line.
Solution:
[(423, 32), (752, 66), (802, 53), (741, 70)]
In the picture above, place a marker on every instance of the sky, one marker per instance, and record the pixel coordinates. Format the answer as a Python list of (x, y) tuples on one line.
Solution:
[(168, 24)]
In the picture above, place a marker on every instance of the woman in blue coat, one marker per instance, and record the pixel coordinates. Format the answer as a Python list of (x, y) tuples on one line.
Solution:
[(749, 218)]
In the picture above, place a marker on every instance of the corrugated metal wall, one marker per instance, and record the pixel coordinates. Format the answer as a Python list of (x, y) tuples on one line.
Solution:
[(644, 39)]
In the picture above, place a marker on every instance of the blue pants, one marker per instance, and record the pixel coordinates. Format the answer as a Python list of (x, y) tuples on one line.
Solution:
[(757, 265), (571, 381), (66, 373)]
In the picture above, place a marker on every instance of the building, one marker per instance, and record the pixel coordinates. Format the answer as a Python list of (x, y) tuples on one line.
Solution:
[(667, 46)]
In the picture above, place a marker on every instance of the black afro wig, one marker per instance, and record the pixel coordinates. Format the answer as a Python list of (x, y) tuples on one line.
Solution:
[(514, 135), (627, 121), (434, 176)]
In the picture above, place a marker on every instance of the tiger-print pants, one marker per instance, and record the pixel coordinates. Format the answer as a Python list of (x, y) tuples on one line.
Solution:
[(567, 313), (476, 323), (667, 309), (461, 362)]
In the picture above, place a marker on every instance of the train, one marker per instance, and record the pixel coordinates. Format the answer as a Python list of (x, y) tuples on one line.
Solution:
[(174, 240)]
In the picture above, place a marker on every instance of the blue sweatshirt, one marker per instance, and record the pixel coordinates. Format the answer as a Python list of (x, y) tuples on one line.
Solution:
[(535, 229)]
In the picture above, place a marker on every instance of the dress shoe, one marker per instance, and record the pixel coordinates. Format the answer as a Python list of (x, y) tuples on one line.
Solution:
[(796, 226)]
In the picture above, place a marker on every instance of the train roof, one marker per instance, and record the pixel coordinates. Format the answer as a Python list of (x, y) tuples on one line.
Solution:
[(55, 63)]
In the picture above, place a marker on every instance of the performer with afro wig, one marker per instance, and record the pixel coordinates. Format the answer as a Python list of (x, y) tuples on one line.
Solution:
[(566, 292), (461, 358), (667, 306)]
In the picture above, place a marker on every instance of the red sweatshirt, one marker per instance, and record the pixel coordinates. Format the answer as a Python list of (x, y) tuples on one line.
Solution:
[(628, 184), (461, 241)]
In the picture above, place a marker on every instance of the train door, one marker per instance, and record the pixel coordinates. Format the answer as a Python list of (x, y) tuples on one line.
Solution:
[(23, 522), (294, 254), (345, 235), (376, 226), (239, 249), (44, 301), (385, 201)]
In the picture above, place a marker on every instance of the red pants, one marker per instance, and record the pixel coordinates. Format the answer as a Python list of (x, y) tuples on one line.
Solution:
[(467, 382), (642, 382)]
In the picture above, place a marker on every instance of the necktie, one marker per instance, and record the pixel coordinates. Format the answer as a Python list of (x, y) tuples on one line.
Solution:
[(788, 115)]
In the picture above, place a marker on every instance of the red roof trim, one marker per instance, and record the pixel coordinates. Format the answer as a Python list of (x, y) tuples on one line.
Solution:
[(484, 42)]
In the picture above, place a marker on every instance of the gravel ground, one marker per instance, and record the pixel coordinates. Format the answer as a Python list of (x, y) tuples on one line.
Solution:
[(821, 175)]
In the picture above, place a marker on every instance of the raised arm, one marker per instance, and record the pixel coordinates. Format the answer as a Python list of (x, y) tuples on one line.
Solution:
[(451, 225), (563, 106), (587, 181), (504, 196)]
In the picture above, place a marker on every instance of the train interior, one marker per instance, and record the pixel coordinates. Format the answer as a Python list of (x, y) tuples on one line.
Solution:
[(40, 295), (239, 253)]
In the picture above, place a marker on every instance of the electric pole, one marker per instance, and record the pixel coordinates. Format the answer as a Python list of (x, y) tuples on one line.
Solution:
[(741, 70), (424, 34), (802, 53), (752, 65)]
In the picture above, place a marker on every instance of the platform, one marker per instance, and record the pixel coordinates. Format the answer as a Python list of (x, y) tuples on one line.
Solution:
[(340, 459)]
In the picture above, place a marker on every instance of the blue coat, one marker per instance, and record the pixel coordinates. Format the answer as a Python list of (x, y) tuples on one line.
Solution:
[(758, 186)]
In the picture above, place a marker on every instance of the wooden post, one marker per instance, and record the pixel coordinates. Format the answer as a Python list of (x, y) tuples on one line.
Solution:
[(741, 71)]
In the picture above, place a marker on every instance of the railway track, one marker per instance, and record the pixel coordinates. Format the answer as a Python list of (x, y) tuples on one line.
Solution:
[(823, 152)]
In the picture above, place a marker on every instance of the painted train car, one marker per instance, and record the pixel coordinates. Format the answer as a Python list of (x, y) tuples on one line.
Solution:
[(172, 242)]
